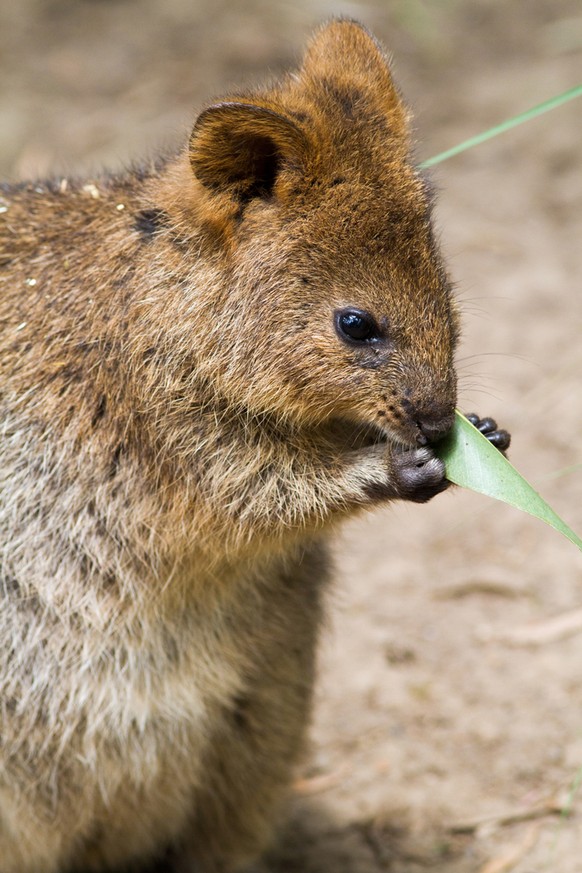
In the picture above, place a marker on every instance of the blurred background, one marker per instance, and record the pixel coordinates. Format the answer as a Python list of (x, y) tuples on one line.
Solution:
[(451, 668)]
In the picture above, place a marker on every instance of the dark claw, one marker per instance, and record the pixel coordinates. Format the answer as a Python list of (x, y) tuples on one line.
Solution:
[(500, 439), (488, 427)]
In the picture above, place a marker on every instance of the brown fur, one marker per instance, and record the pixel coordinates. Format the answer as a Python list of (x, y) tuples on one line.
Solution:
[(181, 424)]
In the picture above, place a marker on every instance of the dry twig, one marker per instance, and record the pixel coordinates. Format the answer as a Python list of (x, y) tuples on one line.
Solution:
[(322, 782), (549, 631), (507, 861), (552, 807)]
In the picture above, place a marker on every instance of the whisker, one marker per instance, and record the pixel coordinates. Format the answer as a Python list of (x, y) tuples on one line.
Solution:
[(490, 394)]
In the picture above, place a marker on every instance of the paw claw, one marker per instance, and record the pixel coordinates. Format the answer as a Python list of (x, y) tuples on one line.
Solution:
[(487, 425), (499, 438)]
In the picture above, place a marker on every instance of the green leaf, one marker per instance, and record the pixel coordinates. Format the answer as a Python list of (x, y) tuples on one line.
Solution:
[(472, 462)]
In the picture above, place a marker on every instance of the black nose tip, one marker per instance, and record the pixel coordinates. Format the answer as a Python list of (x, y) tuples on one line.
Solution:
[(433, 429), (433, 419)]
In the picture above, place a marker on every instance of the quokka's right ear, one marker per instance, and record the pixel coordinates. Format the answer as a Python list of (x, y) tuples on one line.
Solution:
[(345, 61), (240, 148)]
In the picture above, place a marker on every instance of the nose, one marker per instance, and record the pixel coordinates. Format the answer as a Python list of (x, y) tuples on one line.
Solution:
[(433, 429), (433, 421)]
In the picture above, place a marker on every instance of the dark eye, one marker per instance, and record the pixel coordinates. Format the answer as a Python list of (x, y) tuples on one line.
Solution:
[(356, 325)]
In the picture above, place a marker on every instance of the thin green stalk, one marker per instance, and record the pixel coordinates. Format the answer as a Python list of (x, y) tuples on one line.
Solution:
[(565, 471), (505, 125), (565, 813)]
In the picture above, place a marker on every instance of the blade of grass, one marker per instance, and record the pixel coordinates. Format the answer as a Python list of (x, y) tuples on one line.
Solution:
[(552, 103), (565, 471), (472, 462)]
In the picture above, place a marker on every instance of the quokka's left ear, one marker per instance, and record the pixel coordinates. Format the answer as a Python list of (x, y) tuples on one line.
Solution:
[(240, 147)]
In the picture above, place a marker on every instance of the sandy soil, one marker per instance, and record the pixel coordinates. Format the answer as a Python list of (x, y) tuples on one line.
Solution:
[(447, 733)]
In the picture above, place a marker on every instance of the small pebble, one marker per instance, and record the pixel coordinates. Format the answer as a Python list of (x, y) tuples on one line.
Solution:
[(92, 190)]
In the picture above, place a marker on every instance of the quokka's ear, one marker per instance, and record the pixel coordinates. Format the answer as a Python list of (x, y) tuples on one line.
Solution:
[(240, 148), (344, 54)]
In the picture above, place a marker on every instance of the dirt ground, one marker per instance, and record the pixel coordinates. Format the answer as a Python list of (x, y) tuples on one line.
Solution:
[(447, 733)]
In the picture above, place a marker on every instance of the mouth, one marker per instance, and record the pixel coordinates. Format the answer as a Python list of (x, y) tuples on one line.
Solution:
[(419, 429), (402, 442), (362, 434), (354, 434)]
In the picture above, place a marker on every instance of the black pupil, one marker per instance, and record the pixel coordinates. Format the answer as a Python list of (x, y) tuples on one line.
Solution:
[(357, 325)]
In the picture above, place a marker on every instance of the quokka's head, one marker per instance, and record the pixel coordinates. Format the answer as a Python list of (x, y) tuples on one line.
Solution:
[(335, 302)]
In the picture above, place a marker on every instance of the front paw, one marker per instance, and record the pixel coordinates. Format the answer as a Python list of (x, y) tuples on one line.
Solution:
[(419, 474), (501, 439)]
